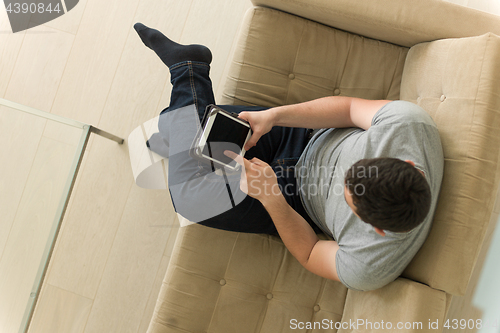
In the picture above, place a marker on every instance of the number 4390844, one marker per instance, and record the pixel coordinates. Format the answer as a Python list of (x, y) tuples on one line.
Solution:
[(470, 324), (32, 8)]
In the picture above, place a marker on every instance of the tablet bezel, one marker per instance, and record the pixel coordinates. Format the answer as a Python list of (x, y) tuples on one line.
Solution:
[(212, 116)]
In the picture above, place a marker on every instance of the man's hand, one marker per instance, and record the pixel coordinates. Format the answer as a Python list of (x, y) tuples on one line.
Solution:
[(261, 122), (258, 179)]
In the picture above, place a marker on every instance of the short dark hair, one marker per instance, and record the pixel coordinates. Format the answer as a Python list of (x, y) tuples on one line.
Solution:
[(389, 193)]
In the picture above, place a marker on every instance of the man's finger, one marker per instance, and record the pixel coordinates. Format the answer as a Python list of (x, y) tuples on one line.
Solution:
[(249, 143), (257, 160), (243, 115), (238, 158)]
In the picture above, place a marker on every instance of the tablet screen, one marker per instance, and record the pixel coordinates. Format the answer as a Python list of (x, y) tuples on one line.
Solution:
[(225, 134)]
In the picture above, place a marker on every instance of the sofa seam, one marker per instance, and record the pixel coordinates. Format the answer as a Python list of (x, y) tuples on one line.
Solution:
[(432, 280), (481, 75), (319, 297), (223, 276), (295, 62), (240, 69), (346, 59), (403, 59), (272, 287)]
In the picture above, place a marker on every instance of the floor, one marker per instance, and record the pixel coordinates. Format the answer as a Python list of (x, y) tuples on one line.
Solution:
[(117, 238), (90, 65), (490, 6)]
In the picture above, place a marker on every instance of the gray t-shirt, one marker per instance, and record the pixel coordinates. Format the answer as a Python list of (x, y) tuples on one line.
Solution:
[(366, 260)]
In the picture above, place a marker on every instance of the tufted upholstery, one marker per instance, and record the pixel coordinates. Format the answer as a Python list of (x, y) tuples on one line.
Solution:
[(314, 61), (220, 281), (252, 272)]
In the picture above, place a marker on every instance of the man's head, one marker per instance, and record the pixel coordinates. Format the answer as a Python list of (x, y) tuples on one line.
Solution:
[(388, 193)]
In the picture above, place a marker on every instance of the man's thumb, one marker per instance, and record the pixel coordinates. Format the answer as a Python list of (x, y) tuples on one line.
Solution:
[(252, 141), (243, 115)]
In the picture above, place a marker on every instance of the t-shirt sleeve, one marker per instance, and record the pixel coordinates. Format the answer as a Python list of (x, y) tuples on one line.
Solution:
[(397, 112), (357, 275)]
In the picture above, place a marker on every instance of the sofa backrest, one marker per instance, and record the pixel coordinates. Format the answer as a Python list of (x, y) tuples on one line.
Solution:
[(402, 22), (458, 82)]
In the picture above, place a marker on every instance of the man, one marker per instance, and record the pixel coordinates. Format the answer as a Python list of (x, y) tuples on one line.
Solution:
[(369, 178)]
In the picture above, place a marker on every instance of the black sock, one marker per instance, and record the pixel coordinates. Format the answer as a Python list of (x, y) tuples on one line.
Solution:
[(169, 51)]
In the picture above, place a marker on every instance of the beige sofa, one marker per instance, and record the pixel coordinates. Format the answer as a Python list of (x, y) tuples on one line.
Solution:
[(291, 51)]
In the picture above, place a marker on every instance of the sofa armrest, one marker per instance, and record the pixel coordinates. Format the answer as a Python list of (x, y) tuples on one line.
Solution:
[(402, 306), (399, 22), (456, 81)]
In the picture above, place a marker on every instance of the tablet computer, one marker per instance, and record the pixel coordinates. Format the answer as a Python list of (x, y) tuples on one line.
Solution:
[(220, 131)]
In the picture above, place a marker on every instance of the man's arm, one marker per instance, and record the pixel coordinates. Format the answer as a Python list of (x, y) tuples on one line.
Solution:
[(259, 181), (326, 112), (317, 256)]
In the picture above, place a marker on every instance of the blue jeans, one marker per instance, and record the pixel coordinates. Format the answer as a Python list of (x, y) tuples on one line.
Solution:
[(280, 148)]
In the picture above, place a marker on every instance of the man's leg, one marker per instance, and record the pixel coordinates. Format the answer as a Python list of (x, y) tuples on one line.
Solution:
[(189, 68), (194, 188)]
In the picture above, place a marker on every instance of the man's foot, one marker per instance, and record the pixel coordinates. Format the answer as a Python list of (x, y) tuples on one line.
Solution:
[(169, 51)]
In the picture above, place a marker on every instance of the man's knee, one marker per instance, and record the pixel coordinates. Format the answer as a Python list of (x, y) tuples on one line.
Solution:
[(204, 196)]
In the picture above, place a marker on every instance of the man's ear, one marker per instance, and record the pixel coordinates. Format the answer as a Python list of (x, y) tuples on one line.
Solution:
[(379, 231), (413, 164), (410, 162)]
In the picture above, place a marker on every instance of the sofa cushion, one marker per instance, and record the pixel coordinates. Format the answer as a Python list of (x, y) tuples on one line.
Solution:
[(221, 281), (284, 59), (457, 81), (401, 306)]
